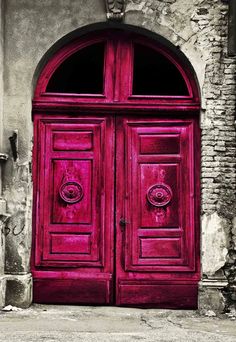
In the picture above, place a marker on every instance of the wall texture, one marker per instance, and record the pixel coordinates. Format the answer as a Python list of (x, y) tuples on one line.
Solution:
[(199, 29), (2, 202)]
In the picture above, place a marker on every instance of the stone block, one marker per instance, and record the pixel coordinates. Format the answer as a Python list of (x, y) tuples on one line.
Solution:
[(214, 243), (3, 206), (2, 291), (19, 290), (210, 297)]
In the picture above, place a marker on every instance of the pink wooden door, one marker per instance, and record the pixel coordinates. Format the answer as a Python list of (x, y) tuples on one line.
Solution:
[(153, 175), (156, 218), (74, 210), (116, 196)]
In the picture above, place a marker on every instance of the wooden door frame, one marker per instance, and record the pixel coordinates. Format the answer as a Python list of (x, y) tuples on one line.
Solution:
[(119, 48)]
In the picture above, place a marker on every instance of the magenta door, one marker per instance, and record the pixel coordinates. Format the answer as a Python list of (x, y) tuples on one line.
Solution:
[(156, 217), (74, 210), (116, 174), (152, 176)]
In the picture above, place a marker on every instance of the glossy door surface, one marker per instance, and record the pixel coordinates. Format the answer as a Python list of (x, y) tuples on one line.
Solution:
[(150, 164), (116, 173), (74, 210), (157, 238)]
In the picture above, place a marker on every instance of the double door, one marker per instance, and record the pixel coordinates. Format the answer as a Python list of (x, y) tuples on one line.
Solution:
[(116, 211)]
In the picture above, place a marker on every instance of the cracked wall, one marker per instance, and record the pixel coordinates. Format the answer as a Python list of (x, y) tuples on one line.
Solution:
[(199, 29)]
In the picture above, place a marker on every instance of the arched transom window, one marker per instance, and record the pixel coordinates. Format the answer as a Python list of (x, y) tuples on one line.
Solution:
[(116, 67)]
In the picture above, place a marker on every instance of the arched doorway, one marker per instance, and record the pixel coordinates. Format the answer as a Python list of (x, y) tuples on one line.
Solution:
[(116, 175)]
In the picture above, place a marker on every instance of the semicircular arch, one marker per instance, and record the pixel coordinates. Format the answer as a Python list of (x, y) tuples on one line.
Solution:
[(174, 58)]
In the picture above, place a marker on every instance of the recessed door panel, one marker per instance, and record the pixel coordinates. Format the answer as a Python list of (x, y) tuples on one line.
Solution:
[(159, 247), (72, 191), (72, 186), (70, 243), (159, 143), (158, 183), (73, 141)]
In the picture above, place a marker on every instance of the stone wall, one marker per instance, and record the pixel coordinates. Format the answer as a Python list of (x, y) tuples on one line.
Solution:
[(199, 29)]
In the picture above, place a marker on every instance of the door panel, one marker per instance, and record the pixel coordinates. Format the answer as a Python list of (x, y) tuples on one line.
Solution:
[(153, 177), (71, 177), (155, 199), (75, 208), (72, 187)]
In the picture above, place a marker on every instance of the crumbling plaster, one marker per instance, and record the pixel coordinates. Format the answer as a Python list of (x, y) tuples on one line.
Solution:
[(214, 235), (1, 127), (199, 29)]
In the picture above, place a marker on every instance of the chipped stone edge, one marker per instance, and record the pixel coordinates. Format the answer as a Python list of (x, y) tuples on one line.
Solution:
[(213, 283), (24, 278)]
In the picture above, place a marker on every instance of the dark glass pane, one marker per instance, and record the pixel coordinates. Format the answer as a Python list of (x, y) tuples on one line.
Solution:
[(154, 74), (81, 73)]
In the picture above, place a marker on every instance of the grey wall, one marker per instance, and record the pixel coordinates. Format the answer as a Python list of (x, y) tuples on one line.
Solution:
[(2, 202)]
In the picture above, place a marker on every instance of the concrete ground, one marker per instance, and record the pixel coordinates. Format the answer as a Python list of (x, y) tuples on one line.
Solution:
[(50, 323)]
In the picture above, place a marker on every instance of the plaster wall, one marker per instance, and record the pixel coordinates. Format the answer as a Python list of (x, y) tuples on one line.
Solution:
[(2, 202), (1, 127), (199, 29)]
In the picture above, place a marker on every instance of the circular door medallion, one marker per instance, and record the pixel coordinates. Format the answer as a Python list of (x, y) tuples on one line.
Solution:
[(71, 192), (159, 195)]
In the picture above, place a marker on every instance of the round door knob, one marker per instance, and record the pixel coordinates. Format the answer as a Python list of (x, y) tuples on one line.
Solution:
[(71, 192), (159, 195)]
